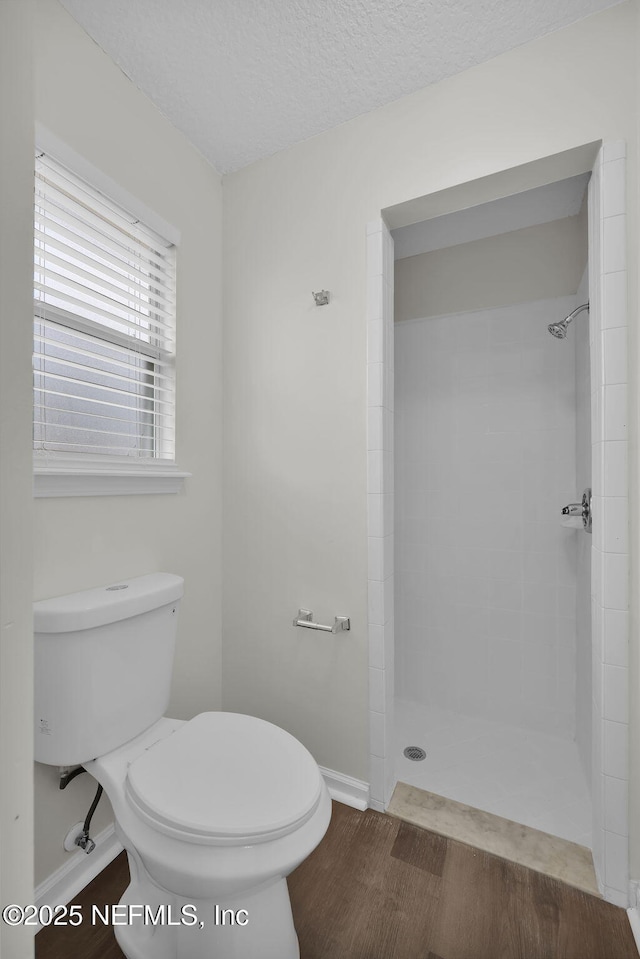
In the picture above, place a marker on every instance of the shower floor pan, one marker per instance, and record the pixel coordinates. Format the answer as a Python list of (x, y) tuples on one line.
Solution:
[(525, 776)]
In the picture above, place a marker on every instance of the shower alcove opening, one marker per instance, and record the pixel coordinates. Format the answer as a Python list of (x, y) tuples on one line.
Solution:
[(498, 636)]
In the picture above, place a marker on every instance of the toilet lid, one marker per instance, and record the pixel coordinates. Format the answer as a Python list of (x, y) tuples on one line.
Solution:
[(225, 779)]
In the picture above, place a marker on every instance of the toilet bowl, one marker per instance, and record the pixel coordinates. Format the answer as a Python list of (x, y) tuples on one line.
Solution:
[(214, 812)]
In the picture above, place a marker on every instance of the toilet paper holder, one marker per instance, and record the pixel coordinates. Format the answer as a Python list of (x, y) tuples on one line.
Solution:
[(305, 618)]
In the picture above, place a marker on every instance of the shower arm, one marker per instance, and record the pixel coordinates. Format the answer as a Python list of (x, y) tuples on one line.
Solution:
[(578, 309)]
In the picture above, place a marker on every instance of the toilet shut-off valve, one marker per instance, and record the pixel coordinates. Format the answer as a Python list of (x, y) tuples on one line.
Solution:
[(86, 843)]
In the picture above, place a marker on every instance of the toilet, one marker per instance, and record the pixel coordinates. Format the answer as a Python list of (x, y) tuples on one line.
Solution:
[(214, 812)]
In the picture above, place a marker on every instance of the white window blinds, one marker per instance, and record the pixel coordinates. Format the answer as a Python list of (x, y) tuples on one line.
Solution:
[(104, 325)]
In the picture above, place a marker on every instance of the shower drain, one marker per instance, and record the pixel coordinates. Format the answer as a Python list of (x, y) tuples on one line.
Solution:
[(415, 752)]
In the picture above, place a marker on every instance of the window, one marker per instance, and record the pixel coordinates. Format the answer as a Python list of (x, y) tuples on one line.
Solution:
[(104, 330)]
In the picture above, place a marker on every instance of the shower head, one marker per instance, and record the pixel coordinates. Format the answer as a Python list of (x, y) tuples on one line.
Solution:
[(559, 330)]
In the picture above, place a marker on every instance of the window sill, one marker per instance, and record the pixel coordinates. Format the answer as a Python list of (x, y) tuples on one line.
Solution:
[(67, 480)]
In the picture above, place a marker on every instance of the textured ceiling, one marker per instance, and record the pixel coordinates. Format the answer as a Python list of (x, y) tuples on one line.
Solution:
[(243, 79)]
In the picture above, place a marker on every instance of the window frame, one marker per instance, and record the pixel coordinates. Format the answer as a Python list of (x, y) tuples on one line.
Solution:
[(60, 473)]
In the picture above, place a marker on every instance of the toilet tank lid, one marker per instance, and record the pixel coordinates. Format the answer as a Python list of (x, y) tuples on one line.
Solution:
[(106, 604)]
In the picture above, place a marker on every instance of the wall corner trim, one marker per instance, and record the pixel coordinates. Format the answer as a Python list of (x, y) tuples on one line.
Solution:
[(345, 789)]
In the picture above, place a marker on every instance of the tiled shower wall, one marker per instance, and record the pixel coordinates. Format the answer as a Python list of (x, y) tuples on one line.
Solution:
[(584, 684), (380, 377), (610, 548), (485, 454)]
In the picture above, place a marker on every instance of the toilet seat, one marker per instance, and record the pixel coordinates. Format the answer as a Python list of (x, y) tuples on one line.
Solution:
[(225, 779)]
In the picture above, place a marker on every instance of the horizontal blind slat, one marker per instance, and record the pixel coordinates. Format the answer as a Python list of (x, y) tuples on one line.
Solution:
[(49, 171), (157, 374), (101, 404), (71, 365), (88, 429), (62, 378), (162, 278), (134, 289), (57, 206), (58, 282), (154, 328), (95, 448), (104, 376), (49, 408), (55, 323), (143, 313), (48, 316)]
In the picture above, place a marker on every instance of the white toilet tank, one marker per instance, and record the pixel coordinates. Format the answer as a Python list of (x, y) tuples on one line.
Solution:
[(103, 661)]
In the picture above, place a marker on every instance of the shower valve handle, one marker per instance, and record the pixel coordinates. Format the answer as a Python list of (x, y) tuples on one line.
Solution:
[(583, 510)]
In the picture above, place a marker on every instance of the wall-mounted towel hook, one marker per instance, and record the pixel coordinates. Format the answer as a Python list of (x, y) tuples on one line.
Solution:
[(321, 298), (305, 617)]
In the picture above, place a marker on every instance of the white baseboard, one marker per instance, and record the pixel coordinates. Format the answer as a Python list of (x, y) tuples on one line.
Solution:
[(78, 871), (345, 789)]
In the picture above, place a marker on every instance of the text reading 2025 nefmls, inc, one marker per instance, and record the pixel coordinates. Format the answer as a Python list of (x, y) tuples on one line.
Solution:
[(122, 914)]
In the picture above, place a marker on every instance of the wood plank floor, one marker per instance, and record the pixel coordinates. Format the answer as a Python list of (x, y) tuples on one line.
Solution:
[(378, 888)]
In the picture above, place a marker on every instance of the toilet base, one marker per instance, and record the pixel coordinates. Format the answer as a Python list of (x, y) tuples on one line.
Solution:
[(257, 924)]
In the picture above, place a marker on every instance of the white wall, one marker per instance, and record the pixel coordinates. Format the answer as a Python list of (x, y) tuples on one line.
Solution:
[(633, 201), (16, 305), (295, 447), (485, 459), (516, 267), (87, 102)]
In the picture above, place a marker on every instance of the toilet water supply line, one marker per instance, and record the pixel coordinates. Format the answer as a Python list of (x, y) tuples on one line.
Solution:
[(83, 840)]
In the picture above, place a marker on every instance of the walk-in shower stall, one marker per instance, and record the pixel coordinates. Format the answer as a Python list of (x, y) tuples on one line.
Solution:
[(498, 509), (486, 571)]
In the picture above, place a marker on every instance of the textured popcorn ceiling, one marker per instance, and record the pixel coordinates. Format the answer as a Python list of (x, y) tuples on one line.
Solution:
[(245, 78)]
